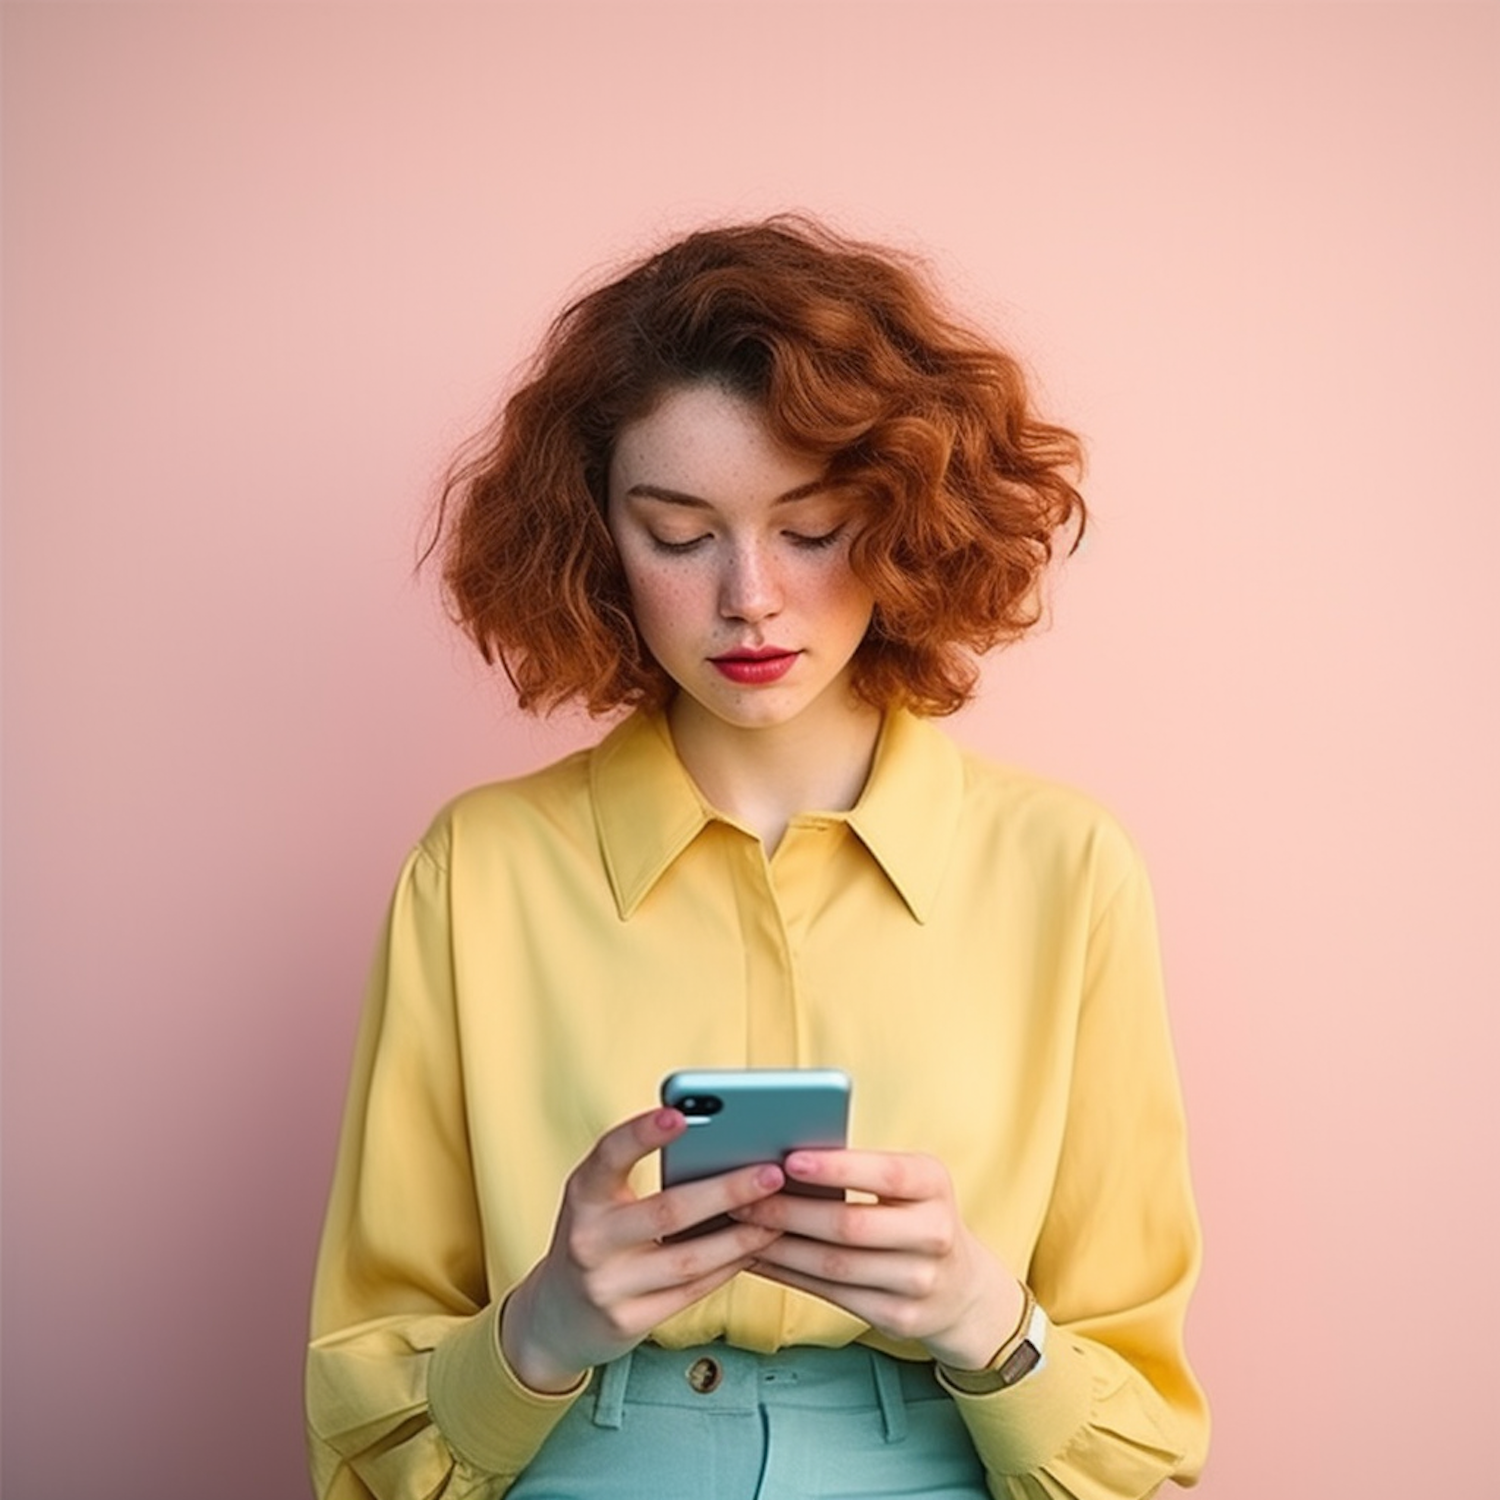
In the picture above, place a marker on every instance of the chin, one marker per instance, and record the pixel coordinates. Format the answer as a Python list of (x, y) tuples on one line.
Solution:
[(770, 708), (756, 716)]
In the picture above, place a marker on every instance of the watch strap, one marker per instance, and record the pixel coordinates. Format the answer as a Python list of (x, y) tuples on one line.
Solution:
[(1023, 1353)]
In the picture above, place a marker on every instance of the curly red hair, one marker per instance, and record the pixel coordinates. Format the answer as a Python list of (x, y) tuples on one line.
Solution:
[(853, 361)]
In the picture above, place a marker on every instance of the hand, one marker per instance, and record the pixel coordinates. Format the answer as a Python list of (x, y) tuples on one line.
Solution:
[(607, 1279), (906, 1263)]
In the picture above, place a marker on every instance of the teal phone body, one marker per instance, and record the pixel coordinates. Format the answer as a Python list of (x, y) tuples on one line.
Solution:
[(740, 1116)]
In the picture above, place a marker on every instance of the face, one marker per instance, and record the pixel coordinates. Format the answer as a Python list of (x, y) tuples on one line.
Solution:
[(737, 560)]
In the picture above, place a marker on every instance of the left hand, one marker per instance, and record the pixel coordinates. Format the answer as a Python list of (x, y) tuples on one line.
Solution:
[(907, 1263)]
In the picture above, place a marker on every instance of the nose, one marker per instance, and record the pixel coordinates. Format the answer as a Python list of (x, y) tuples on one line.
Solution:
[(749, 588)]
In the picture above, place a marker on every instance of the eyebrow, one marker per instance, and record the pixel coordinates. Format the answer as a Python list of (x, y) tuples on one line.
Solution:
[(695, 502)]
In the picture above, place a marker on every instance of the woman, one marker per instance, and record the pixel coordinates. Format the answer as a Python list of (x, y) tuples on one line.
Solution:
[(764, 492)]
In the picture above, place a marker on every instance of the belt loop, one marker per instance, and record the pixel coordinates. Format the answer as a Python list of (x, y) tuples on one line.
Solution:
[(888, 1394), (609, 1402)]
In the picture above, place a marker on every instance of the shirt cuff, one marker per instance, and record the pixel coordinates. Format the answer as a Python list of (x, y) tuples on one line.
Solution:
[(1022, 1427), (491, 1420)]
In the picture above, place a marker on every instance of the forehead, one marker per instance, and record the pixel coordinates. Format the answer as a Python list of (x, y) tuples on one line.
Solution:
[(710, 443)]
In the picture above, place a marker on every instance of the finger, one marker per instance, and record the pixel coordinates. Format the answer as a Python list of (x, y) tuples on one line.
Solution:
[(822, 1266), (924, 1227), (653, 1308), (897, 1316), (682, 1263), (889, 1175), (676, 1209), (604, 1173)]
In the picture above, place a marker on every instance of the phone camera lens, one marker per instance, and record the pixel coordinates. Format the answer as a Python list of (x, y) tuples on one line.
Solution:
[(700, 1104)]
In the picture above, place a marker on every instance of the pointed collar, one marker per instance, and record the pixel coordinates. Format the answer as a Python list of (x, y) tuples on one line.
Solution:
[(909, 812), (648, 809), (646, 806)]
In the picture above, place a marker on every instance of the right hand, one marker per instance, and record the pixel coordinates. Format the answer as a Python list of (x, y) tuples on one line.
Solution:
[(607, 1278)]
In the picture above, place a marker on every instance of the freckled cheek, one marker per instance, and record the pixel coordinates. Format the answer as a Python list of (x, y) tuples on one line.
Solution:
[(847, 595), (664, 600), (664, 588)]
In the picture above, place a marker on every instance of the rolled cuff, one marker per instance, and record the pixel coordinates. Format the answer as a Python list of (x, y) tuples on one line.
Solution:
[(492, 1421), (1022, 1427)]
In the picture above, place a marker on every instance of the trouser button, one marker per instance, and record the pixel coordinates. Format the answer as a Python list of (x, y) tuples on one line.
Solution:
[(704, 1375)]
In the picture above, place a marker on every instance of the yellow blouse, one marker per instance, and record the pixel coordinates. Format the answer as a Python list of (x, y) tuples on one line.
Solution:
[(974, 946)]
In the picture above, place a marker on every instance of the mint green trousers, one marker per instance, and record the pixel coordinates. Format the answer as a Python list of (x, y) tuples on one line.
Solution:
[(715, 1423)]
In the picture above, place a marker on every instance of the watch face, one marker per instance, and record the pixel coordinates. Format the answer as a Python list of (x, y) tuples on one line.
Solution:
[(1020, 1364)]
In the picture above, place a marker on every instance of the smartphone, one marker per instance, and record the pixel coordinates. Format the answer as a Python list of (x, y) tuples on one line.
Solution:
[(739, 1116)]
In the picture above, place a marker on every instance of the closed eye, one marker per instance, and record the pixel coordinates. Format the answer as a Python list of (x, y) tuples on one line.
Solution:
[(661, 544), (813, 543)]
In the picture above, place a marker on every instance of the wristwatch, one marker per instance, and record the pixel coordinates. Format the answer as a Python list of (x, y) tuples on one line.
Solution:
[(1022, 1354)]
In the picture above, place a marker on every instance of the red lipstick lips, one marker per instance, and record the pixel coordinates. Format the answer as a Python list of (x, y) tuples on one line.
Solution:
[(754, 667)]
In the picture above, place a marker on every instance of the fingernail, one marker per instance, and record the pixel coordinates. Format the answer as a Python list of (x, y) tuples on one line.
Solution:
[(803, 1165), (769, 1177), (666, 1119)]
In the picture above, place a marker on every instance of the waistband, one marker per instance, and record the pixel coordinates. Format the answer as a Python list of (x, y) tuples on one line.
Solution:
[(719, 1378)]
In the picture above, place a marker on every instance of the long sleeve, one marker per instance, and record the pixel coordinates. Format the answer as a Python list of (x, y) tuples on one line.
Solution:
[(1114, 1412), (407, 1392), (974, 946)]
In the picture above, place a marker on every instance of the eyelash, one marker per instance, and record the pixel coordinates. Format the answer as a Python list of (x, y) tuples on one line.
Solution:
[(814, 543), (804, 543)]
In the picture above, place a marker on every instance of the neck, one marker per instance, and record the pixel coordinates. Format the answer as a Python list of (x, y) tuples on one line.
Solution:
[(764, 776)]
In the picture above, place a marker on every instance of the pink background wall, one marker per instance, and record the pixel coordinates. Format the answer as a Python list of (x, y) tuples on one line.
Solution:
[(264, 265)]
